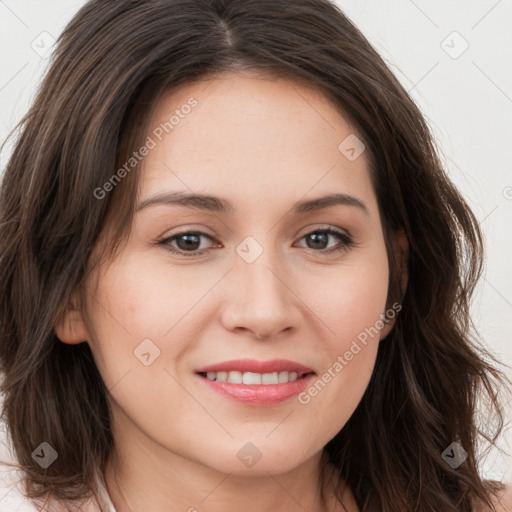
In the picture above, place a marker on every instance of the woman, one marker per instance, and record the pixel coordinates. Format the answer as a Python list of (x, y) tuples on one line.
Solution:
[(236, 275)]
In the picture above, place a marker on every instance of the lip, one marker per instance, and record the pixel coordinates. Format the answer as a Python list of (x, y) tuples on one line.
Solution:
[(252, 365), (262, 395)]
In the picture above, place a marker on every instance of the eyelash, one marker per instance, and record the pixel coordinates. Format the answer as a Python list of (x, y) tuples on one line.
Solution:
[(346, 242)]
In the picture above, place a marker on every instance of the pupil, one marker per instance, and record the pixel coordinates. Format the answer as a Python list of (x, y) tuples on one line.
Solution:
[(190, 242), (320, 238)]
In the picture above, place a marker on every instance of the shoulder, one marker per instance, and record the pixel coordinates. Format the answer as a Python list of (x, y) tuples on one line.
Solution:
[(502, 503), (505, 502), (11, 495)]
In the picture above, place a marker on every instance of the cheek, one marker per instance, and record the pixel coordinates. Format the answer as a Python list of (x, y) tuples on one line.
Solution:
[(351, 300), (351, 308), (134, 314), (148, 299), (142, 307)]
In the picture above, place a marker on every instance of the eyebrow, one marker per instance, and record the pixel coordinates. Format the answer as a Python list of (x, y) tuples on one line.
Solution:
[(219, 205)]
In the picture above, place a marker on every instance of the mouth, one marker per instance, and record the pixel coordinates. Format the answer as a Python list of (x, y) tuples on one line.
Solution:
[(257, 383), (254, 378)]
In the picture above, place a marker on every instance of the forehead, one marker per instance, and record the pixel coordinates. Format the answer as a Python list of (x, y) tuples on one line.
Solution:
[(253, 136)]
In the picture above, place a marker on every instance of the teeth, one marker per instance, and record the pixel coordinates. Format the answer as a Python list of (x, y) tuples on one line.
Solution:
[(251, 378), (283, 377), (235, 377), (270, 378)]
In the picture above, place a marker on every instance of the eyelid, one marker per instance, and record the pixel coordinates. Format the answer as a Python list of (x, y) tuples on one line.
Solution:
[(312, 228)]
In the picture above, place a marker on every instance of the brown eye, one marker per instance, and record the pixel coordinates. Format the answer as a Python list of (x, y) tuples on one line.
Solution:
[(186, 242), (319, 240)]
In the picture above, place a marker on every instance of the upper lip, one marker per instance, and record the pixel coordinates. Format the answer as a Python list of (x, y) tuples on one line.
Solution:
[(254, 366)]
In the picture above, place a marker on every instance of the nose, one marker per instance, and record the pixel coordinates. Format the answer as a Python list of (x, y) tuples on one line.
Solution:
[(260, 300)]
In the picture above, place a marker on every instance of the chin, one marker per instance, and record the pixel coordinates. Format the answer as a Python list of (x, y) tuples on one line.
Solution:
[(258, 458)]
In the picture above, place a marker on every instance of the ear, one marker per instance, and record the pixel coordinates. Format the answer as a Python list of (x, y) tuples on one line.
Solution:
[(70, 328), (401, 249)]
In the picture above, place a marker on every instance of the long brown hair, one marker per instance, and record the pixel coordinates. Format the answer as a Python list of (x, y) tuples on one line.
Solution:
[(110, 66)]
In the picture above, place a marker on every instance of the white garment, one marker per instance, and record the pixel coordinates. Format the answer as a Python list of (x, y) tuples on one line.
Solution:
[(12, 498)]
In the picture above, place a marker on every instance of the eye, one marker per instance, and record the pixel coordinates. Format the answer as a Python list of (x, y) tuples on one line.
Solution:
[(320, 238), (188, 243)]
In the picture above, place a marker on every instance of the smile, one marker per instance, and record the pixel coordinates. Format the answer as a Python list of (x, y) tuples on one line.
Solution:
[(251, 378)]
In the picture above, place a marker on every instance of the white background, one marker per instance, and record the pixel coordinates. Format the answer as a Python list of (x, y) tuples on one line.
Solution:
[(466, 97)]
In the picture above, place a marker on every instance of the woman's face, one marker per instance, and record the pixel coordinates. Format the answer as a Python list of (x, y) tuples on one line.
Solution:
[(248, 274)]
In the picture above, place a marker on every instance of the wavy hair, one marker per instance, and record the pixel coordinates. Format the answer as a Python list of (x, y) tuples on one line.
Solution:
[(110, 66)]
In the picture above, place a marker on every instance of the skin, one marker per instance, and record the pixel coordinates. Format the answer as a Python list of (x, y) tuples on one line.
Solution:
[(263, 144)]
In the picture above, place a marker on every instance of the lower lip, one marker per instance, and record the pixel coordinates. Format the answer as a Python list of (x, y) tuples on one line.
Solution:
[(259, 394)]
